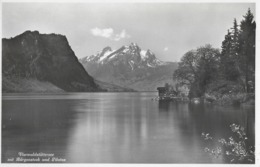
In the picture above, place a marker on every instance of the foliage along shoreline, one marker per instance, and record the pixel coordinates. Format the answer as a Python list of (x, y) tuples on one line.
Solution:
[(225, 76)]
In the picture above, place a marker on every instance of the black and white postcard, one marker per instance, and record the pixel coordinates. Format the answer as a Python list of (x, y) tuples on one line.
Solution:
[(128, 83)]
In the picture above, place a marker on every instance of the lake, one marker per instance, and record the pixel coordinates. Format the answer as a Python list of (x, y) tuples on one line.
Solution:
[(116, 128)]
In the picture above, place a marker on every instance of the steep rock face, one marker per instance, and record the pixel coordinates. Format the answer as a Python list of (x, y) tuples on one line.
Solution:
[(45, 57), (129, 66)]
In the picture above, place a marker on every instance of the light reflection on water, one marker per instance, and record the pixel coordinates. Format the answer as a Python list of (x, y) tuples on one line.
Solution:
[(115, 127)]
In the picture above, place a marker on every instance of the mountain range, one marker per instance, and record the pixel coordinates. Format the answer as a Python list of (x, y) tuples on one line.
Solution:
[(34, 62), (129, 66)]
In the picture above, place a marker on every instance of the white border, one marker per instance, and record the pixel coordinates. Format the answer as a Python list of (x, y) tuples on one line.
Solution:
[(257, 114)]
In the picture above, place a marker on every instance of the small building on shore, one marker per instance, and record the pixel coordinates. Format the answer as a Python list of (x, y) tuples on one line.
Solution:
[(161, 91), (166, 92), (169, 93)]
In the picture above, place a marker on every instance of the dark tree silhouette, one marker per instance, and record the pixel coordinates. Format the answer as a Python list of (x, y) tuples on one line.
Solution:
[(247, 51)]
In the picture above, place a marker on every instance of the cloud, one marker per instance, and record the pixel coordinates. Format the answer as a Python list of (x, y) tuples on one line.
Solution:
[(109, 33), (106, 33), (122, 35), (166, 49)]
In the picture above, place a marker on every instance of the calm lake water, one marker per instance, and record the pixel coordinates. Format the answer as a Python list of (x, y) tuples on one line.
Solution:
[(116, 128)]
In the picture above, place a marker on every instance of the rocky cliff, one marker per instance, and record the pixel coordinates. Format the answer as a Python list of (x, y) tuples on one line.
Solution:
[(45, 58)]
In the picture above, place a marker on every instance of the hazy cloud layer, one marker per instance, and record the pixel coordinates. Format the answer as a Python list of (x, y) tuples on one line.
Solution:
[(109, 33)]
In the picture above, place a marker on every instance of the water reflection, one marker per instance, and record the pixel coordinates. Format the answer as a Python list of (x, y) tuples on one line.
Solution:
[(35, 126), (117, 128)]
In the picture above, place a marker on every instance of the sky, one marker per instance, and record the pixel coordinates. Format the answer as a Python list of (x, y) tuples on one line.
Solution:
[(167, 29)]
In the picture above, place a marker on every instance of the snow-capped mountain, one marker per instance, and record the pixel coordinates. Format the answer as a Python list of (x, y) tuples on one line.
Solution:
[(129, 66), (132, 56)]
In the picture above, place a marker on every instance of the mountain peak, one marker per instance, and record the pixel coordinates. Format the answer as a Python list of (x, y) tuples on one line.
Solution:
[(134, 44), (108, 48), (129, 55), (129, 66)]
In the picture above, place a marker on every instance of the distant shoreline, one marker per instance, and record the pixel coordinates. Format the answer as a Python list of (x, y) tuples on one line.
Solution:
[(63, 93)]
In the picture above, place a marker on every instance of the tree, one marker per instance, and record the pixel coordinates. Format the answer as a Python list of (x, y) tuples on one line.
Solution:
[(235, 36), (236, 62), (229, 55), (187, 69), (238, 53), (197, 69), (225, 55), (246, 48), (234, 69), (208, 66)]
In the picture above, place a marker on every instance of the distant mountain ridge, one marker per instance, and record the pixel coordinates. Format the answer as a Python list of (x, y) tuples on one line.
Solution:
[(132, 54), (42, 62), (129, 66)]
